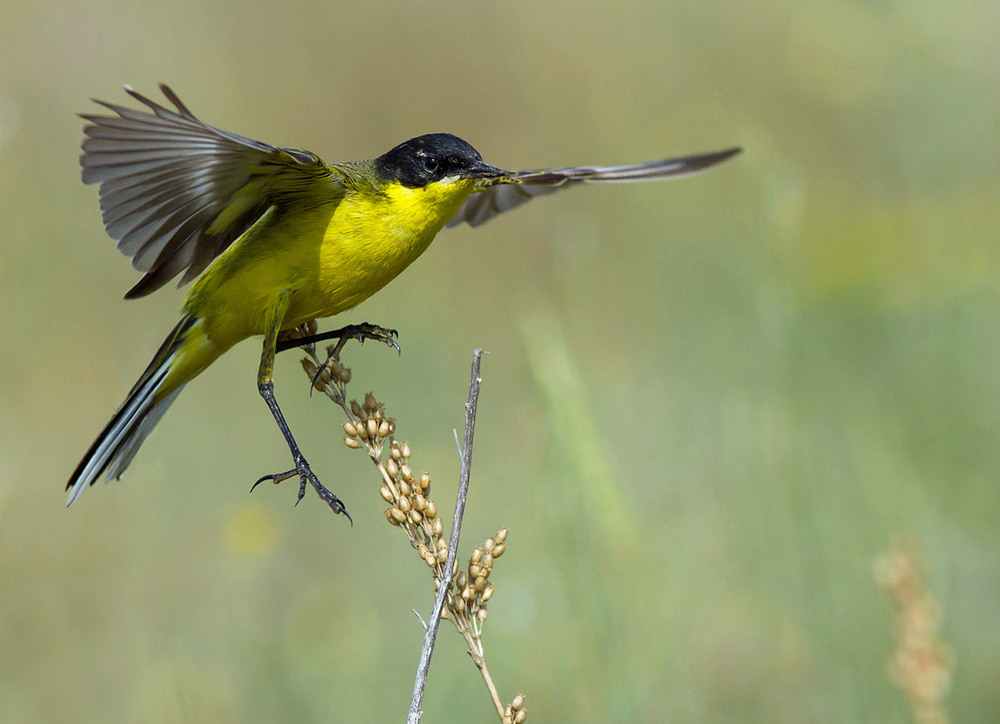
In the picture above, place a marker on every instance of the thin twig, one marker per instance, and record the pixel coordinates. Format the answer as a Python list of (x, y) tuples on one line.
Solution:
[(416, 703)]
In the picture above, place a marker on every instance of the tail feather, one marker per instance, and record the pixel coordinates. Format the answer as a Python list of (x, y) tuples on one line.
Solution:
[(121, 438)]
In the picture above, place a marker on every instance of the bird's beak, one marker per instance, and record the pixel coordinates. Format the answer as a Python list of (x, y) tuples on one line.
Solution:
[(487, 175)]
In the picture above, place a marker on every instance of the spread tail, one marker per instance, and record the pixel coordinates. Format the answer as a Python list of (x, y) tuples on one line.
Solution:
[(121, 438)]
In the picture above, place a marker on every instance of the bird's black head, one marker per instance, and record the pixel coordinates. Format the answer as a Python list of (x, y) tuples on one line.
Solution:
[(426, 159)]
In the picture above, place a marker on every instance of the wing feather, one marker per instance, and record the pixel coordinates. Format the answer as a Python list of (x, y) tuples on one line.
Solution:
[(175, 191), (522, 186)]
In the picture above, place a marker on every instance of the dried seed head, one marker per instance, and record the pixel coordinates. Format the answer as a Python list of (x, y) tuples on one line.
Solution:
[(498, 550), (518, 702), (422, 550), (475, 571), (350, 429), (487, 593), (404, 488), (395, 451), (406, 450), (404, 469), (352, 443), (432, 509), (385, 493), (477, 555), (419, 502), (404, 504), (397, 515), (462, 580), (445, 614), (488, 545), (425, 480), (459, 605), (481, 615), (309, 367), (415, 517), (488, 561), (383, 429), (480, 584), (521, 716), (357, 411), (437, 527), (390, 517), (430, 560), (372, 428), (442, 556)]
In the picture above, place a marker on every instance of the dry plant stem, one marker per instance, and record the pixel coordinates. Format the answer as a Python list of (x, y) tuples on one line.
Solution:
[(430, 635)]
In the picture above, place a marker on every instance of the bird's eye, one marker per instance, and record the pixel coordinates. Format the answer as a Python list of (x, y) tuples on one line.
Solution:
[(431, 164)]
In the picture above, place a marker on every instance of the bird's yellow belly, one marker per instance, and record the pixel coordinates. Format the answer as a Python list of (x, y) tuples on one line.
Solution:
[(318, 262)]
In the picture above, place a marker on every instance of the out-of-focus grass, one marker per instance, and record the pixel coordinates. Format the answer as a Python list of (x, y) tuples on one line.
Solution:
[(746, 384)]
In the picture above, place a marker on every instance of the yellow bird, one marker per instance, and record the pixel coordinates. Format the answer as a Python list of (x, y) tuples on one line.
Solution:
[(275, 237)]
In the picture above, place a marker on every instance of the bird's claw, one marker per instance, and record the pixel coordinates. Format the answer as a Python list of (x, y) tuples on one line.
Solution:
[(307, 476)]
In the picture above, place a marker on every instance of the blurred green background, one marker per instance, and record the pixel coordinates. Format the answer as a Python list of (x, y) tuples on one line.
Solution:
[(709, 405)]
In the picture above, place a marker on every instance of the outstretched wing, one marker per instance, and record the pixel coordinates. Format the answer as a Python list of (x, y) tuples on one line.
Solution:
[(523, 186), (175, 191)]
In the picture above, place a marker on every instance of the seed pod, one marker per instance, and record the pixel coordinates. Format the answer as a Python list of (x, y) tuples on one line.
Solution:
[(477, 555), (432, 509), (383, 429), (395, 451), (352, 443), (518, 702), (415, 517), (487, 593), (391, 468), (350, 429), (405, 489), (437, 527), (480, 584), (443, 556), (430, 560), (406, 450), (422, 550), (475, 571), (372, 428), (445, 614), (488, 561), (404, 469), (488, 546), (521, 716), (390, 517), (501, 535), (498, 550), (462, 580), (419, 502), (385, 493), (425, 480), (467, 593), (404, 505), (459, 605), (481, 615), (397, 515)]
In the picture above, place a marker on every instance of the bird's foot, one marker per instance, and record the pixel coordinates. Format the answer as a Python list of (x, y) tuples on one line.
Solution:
[(307, 476)]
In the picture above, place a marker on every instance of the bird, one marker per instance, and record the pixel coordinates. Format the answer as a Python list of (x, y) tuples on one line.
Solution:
[(274, 238)]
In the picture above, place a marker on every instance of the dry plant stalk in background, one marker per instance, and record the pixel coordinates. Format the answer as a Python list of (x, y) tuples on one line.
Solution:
[(922, 663), (412, 509)]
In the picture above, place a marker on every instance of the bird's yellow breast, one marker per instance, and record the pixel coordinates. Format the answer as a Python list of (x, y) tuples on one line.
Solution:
[(321, 260)]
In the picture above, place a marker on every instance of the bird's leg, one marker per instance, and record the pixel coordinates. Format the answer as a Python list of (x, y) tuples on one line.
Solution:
[(360, 332), (265, 385)]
